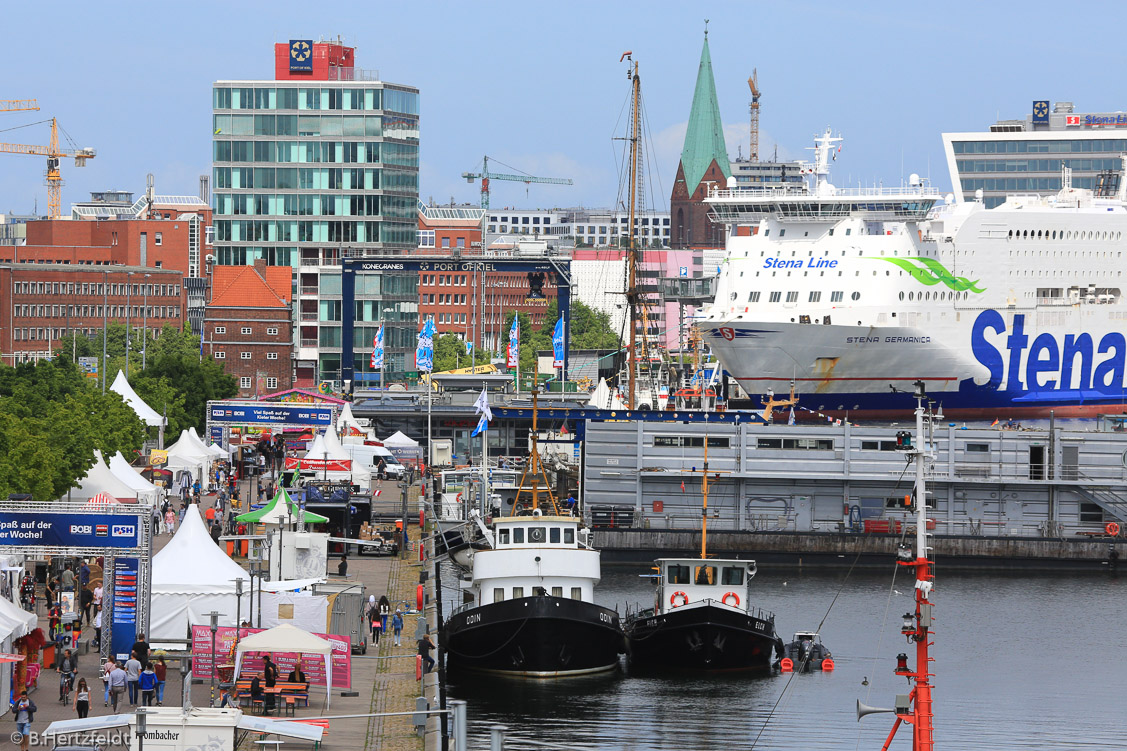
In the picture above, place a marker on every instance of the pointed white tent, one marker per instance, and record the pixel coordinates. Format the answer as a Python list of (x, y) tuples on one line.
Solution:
[(188, 454), (123, 471), (289, 639), (332, 443), (212, 450), (191, 576), (398, 439), (101, 480), (347, 423), (603, 398), (148, 415)]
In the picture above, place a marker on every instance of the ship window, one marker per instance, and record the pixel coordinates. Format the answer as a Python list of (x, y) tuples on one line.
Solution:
[(518, 592), (775, 296), (499, 594), (503, 537), (518, 535), (557, 591), (704, 576), (782, 232), (978, 448), (577, 593), (753, 297), (732, 576), (848, 231), (733, 295), (792, 296), (569, 536), (901, 295), (836, 296), (537, 534), (1091, 512), (554, 535), (855, 296), (677, 574), (815, 296)]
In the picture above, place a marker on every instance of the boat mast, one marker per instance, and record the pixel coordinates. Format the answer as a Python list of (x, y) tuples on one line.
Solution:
[(704, 506), (631, 258)]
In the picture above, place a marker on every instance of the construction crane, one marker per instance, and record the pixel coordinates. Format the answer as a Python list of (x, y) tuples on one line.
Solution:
[(53, 154), (485, 176), (753, 84), (18, 105)]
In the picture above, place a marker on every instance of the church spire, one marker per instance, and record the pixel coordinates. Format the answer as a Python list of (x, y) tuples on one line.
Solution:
[(704, 139)]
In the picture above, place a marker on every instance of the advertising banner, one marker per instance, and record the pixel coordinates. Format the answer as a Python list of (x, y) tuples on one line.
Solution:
[(68, 530), (331, 465), (283, 414), (126, 585), (312, 665)]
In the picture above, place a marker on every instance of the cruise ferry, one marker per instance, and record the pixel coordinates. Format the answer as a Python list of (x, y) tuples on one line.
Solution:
[(1009, 312)]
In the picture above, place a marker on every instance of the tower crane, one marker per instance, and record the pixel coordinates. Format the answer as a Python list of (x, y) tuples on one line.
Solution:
[(53, 153), (485, 175), (18, 105), (753, 84)]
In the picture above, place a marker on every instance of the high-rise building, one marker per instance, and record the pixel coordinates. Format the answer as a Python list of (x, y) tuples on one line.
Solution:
[(319, 163)]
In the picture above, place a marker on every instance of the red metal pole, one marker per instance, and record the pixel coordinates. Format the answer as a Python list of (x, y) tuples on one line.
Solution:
[(924, 740)]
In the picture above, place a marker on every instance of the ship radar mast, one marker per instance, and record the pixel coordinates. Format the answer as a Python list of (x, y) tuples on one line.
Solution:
[(826, 148)]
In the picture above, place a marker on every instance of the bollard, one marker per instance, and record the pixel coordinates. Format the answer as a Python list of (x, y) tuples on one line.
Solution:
[(418, 667), (459, 708), (497, 738), (422, 519)]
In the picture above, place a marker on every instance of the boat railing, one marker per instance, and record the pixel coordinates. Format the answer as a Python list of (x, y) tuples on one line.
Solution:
[(919, 191)]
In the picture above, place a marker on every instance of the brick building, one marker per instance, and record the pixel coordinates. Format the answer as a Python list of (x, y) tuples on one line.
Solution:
[(248, 326), (40, 304)]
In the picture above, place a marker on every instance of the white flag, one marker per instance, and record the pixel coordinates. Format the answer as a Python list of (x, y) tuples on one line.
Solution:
[(481, 406)]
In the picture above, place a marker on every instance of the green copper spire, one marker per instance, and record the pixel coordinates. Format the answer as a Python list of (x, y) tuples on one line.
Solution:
[(704, 139)]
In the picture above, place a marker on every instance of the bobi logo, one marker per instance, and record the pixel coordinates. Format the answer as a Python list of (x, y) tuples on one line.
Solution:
[(81, 529)]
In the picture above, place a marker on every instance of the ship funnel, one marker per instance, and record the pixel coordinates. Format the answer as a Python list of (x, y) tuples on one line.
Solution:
[(864, 709)]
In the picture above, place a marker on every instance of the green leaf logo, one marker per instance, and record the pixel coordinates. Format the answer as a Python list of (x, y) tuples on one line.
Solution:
[(931, 272)]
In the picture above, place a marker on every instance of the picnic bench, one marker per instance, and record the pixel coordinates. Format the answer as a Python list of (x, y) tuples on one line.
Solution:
[(323, 724), (287, 693)]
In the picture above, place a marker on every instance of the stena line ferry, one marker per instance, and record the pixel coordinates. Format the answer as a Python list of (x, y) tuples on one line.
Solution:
[(1008, 312)]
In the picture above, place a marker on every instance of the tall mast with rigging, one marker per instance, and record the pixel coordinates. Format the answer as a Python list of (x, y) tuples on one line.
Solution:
[(632, 253)]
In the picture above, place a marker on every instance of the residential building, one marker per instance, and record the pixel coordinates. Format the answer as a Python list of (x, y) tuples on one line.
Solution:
[(42, 303), (704, 165), (248, 326), (13, 228), (594, 228), (1027, 155), (751, 175), (319, 162)]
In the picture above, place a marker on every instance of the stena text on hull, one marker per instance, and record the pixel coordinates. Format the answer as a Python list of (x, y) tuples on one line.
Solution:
[(1014, 311)]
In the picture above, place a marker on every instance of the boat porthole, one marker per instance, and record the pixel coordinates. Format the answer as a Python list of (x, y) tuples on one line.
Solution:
[(1125, 458)]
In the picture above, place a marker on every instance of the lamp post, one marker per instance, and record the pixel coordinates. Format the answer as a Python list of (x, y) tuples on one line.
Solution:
[(145, 324), (141, 728), (185, 682), (254, 570), (214, 625), (128, 317)]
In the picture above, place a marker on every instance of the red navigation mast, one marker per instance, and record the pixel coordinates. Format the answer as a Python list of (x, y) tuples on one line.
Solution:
[(915, 707)]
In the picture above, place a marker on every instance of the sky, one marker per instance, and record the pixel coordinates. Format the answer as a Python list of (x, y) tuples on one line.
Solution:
[(539, 86)]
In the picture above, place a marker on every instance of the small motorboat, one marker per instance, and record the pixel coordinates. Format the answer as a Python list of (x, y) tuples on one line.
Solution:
[(806, 653)]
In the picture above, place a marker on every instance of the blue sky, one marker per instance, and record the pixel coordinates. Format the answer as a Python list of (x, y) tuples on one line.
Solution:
[(539, 86)]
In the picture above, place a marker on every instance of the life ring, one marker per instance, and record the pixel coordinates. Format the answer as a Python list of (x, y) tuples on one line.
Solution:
[(673, 598), (1112, 528), (724, 599), (458, 499)]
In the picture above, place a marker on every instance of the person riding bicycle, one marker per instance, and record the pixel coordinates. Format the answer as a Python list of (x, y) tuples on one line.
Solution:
[(66, 670)]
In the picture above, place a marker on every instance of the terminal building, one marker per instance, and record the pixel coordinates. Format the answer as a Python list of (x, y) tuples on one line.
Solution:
[(1026, 155)]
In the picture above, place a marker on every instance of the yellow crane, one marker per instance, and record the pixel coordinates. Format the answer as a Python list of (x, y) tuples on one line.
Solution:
[(53, 153), (18, 105), (753, 84)]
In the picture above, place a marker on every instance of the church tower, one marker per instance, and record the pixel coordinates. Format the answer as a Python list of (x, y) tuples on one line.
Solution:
[(704, 163)]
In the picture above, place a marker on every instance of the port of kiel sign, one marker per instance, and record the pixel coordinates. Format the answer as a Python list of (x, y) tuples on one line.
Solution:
[(301, 55)]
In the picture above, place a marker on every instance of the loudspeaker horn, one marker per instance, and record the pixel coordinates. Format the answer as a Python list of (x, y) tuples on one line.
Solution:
[(864, 709)]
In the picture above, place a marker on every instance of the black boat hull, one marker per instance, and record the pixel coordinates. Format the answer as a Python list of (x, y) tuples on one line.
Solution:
[(701, 637), (540, 636)]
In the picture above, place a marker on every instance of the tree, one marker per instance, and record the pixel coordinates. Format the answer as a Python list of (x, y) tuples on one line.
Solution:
[(590, 328)]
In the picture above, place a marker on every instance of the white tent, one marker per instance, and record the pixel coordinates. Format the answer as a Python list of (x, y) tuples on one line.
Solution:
[(603, 398), (210, 449), (346, 422), (286, 638), (192, 576), (332, 443), (14, 623), (121, 469), (326, 446), (189, 454), (101, 480), (399, 440), (148, 415)]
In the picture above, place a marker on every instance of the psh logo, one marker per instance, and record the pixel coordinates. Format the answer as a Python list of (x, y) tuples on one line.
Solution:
[(124, 530)]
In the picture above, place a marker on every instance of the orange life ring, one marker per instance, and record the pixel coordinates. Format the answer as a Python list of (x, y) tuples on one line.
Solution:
[(828, 664), (673, 598), (1112, 528), (724, 599), (786, 665), (458, 499)]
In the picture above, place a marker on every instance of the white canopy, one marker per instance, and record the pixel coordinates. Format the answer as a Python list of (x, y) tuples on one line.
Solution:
[(189, 454), (131, 477), (400, 440), (148, 415), (287, 638), (603, 398), (15, 621), (101, 480), (332, 443), (211, 449), (346, 422), (191, 576)]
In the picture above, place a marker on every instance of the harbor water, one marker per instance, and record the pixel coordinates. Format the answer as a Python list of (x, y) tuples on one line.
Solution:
[(1021, 662)]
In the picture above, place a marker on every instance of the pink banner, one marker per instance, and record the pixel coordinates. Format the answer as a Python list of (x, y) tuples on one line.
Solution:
[(312, 665), (332, 465)]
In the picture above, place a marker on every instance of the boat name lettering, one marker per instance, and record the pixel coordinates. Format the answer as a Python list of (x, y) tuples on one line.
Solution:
[(811, 263), (888, 339), (473, 618), (605, 618), (1046, 364)]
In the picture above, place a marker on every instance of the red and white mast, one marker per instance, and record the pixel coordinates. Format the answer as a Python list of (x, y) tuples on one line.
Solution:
[(914, 708)]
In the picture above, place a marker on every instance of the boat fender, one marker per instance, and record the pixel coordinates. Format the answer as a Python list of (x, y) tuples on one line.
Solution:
[(419, 596), (1112, 528), (787, 665), (724, 599), (673, 598), (827, 664), (418, 667)]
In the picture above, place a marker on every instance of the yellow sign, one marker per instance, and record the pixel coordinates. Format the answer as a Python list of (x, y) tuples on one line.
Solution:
[(158, 457)]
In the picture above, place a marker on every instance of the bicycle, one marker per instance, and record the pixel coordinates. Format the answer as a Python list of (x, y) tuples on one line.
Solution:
[(66, 685)]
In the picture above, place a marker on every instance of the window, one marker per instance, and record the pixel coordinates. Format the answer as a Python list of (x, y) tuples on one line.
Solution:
[(753, 297), (554, 535), (244, 355), (503, 537), (557, 591), (446, 242), (675, 574), (518, 535), (244, 382), (518, 591), (684, 441), (220, 355), (537, 534), (732, 576), (220, 329), (271, 383), (837, 296), (271, 355), (577, 593), (815, 297), (792, 296), (878, 445), (855, 296), (704, 575), (813, 444), (1091, 512), (569, 536), (272, 332), (978, 448), (499, 594), (776, 296), (158, 239), (245, 330)]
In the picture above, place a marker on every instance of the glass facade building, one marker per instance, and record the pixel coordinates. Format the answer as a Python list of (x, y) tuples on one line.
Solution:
[(1027, 156), (305, 172)]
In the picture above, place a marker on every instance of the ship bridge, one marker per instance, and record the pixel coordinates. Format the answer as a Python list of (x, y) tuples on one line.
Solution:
[(903, 204)]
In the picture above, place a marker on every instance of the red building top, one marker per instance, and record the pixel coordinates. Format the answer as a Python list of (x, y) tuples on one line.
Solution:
[(258, 286), (306, 60)]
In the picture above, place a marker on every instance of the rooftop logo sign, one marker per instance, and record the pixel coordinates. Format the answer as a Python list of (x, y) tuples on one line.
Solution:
[(301, 55)]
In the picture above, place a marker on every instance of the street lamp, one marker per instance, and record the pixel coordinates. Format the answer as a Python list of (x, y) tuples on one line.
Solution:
[(128, 317), (141, 728), (185, 683), (145, 324)]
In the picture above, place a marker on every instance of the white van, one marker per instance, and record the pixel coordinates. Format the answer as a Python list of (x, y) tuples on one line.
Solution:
[(370, 456)]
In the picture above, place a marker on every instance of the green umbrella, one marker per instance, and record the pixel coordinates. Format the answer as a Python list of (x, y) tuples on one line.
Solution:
[(280, 509)]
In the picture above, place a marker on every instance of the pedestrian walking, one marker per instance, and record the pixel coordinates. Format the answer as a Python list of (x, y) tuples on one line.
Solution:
[(147, 683), (106, 670), (82, 699), (97, 643), (270, 679), (132, 675), (170, 521), (118, 681), (385, 611), (25, 710), (397, 625), (161, 669), (376, 625)]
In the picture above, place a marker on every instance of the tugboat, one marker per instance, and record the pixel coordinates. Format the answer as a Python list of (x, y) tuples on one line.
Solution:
[(532, 611), (702, 617)]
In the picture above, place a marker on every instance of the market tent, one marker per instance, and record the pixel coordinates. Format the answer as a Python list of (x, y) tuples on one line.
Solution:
[(15, 622), (190, 455), (404, 448), (101, 480), (131, 477), (148, 415), (286, 638), (211, 449), (332, 444), (280, 510), (347, 424), (100, 502), (399, 440), (191, 576), (603, 398)]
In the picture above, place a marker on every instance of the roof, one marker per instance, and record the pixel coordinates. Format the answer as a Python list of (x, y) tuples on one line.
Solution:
[(285, 638), (251, 287), (704, 139)]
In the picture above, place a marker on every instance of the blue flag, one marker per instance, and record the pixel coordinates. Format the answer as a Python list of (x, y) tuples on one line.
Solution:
[(482, 426), (377, 350), (424, 352), (558, 344), (513, 359)]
